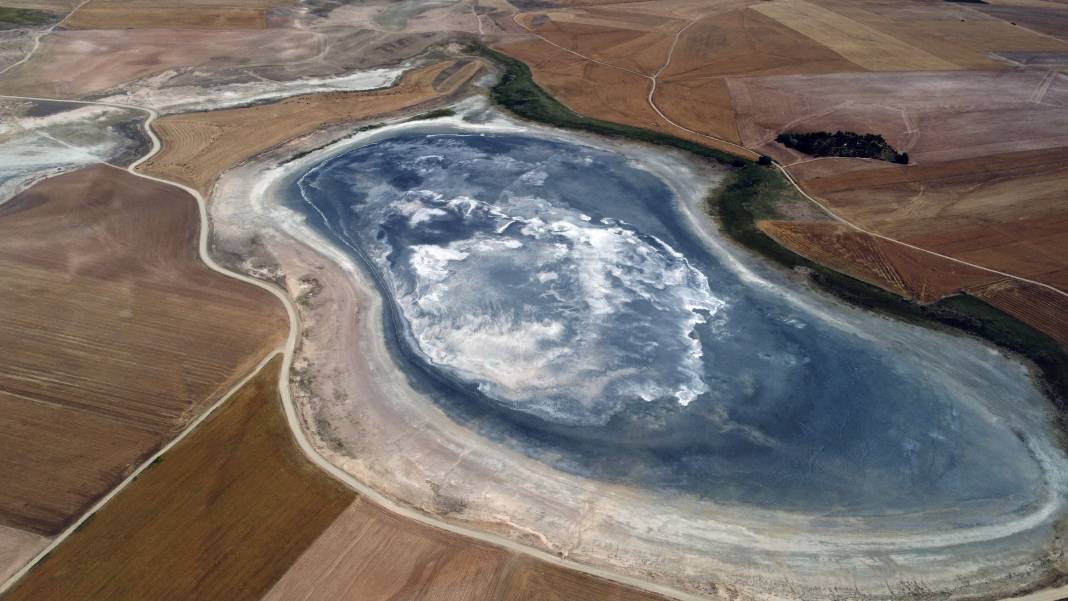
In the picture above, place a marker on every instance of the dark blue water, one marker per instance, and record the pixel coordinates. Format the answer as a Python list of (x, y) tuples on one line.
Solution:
[(552, 296)]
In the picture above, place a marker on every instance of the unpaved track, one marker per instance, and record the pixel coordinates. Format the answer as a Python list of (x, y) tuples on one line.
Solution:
[(308, 449), (750, 152), (40, 34)]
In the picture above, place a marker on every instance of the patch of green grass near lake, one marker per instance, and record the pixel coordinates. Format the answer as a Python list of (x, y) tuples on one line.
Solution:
[(12, 18), (752, 191)]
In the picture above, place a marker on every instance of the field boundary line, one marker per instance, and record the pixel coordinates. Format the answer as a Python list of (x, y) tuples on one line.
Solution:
[(147, 463), (793, 182)]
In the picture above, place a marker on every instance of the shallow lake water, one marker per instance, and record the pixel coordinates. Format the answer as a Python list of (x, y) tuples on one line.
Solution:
[(554, 297)]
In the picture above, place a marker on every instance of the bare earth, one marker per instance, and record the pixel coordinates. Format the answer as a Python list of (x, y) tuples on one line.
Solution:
[(104, 300), (197, 147)]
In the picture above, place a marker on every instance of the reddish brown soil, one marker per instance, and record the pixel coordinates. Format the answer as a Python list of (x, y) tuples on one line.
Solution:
[(115, 335), (1036, 306), (904, 271), (223, 515), (1006, 212)]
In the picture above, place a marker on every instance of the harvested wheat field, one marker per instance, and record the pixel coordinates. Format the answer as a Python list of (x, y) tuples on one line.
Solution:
[(173, 14), (115, 336), (197, 147), (1038, 307), (907, 272), (126, 15), (221, 517), (71, 64), (368, 554), (1006, 212)]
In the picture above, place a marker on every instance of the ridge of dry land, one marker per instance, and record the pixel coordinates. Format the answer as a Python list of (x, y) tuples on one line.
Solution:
[(197, 147)]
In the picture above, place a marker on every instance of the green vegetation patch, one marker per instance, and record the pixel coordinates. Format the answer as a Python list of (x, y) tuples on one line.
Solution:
[(518, 92), (13, 18), (843, 144)]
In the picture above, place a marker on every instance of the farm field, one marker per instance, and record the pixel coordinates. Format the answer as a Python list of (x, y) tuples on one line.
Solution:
[(368, 554), (197, 147), (122, 15), (220, 517), (104, 296), (74, 63)]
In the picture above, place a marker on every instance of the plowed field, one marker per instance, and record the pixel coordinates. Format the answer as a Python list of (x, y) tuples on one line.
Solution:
[(114, 333)]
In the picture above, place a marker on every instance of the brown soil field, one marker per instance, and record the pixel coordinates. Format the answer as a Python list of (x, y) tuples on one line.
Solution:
[(693, 89), (986, 140), (955, 32), (197, 147), (869, 48), (223, 516), (1038, 307), (935, 116), (746, 43), (121, 15), (235, 512), (1049, 20), (639, 44), (75, 63), (371, 555), (904, 271), (56, 6), (920, 276), (115, 336), (604, 92), (1006, 212)]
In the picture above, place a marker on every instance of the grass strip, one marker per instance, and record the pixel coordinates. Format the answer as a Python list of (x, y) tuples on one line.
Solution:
[(13, 18)]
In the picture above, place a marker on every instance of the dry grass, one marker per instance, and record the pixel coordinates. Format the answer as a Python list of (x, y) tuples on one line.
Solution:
[(903, 271), (115, 335), (859, 43), (70, 64), (121, 15), (1006, 212), (221, 517), (197, 147), (371, 555)]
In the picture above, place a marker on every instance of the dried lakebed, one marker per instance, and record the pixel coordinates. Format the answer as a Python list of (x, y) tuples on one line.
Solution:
[(625, 388)]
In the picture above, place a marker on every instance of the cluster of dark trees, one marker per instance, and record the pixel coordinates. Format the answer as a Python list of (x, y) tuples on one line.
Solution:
[(843, 144)]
